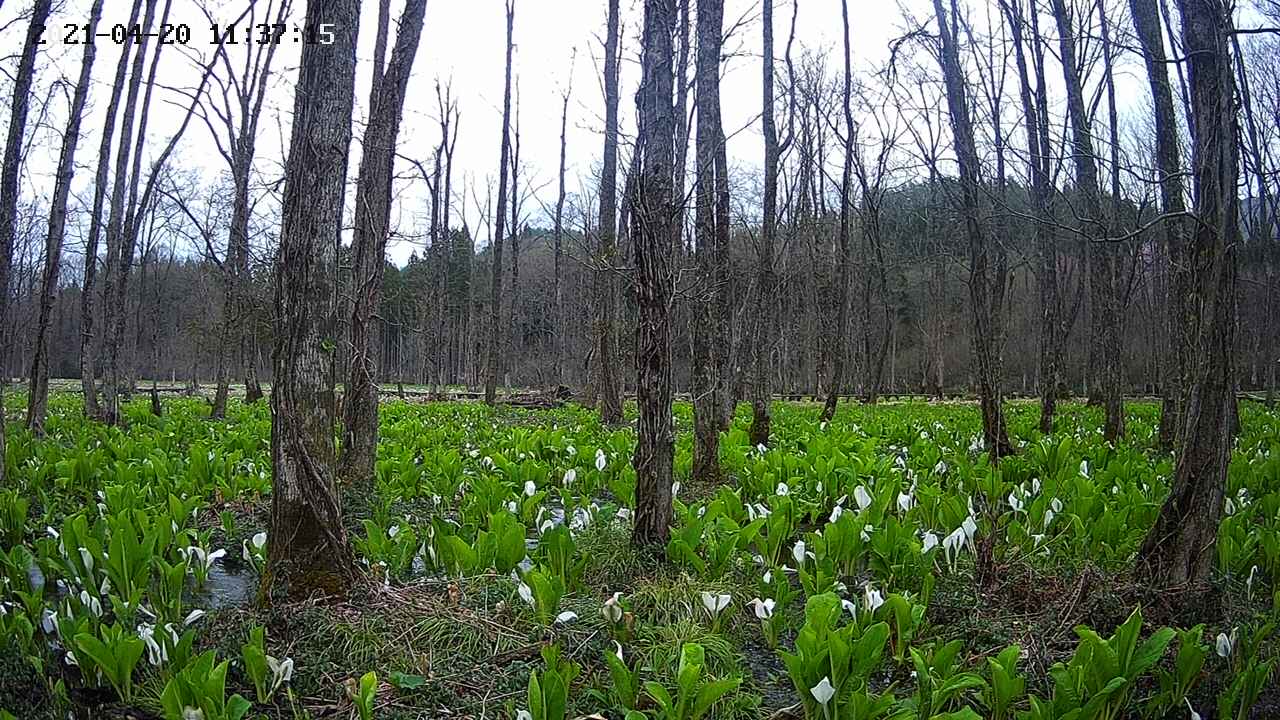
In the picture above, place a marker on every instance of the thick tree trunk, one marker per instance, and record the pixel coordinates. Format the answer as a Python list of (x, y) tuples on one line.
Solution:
[(9, 179), (494, 363), (840, 341), (708, 374), (654, 237), (373, 213), (1179, 550), (101, 182), (608, 389), (307, 548), (38, 391)]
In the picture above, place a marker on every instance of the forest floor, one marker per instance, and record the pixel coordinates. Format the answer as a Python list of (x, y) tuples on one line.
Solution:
[(449, 634)]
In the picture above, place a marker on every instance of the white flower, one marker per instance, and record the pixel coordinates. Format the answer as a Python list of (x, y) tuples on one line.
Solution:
[(393, 531), (612, 611), (872, 597), (569, 476), (530, 488), (675, 490), (525, 593), (798, 552), (970, 527), (571, 450), (281, 671), (1224, 645), (91, 603), (1084, 468), (768, 577), (601, 460), (782, 489), (260, 540), (523, 715), (1194, 715), (566, 617), (156, 652), (861, 497), (823, 691), (715, 604), (849, 606), (87, 558), (905, 501), (1015, 502), (930, 541), (618, 650), (763, 608), (623, 514), (193, 616), (940, 468), (836, 512)]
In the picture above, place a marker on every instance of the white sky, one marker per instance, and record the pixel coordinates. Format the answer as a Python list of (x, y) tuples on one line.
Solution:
[(463, 40)]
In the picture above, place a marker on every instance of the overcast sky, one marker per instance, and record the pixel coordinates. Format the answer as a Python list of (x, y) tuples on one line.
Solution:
[(558, 44)]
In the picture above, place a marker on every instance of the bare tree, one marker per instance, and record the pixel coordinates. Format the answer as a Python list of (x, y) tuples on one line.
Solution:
[(608, 388), (495, 287), (9, 176), (1179, 550), (308, 550), (558, 290), (840, 344), (369, 246), (38, 392), (654, 237), (237, 109), (711, 254), (100, 185), (986, 354)]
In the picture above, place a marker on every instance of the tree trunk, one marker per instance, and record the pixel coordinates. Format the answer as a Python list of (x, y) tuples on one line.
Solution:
[(495, 287), (359, 447), (118, 225), (89, 291), (307, 551), (994, 431), (558, 291), (708, 375), (608, 388), (9, 180), (840, 341), (38, 392), (764, 323), (1179, 550), (1103, 296), (654, 237)]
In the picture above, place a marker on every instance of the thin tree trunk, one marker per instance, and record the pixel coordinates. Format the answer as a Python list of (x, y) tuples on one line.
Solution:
[(373, 212), (38, 392), (840, 341), (9, 180), (89, 291), (307, 549), (558, 291), (608, 388), (495, 287), (1104, 320), (1179, 550), (654, 237)]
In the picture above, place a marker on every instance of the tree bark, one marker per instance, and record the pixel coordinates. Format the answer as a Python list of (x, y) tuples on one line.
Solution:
[(307, 550), (38, 390), (840, 342), (9, 172), (1179, 550), (708, 375), (654, 237), (608, 388), (369, 246), (1103, 296), (558, 290), (994, 431), (495, 286)]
